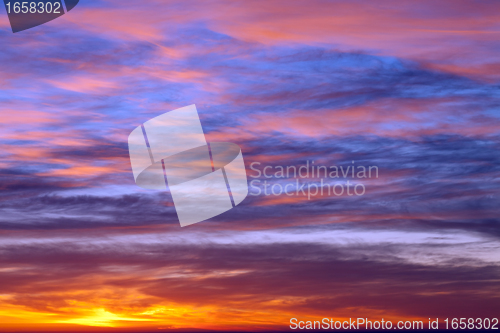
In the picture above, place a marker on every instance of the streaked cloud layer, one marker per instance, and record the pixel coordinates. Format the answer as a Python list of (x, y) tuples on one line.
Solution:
[(412, 88)]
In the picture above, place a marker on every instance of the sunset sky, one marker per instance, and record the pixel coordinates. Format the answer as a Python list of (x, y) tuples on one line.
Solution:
[(412, 87)]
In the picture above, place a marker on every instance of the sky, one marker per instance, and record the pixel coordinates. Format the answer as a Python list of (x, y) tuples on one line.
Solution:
[(409, 87)]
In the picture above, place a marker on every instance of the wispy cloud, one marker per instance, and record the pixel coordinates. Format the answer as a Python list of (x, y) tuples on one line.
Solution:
[(411, 88)]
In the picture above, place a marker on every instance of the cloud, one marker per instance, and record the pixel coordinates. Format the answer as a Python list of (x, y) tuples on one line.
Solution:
[(196, 279), (410, 88)]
